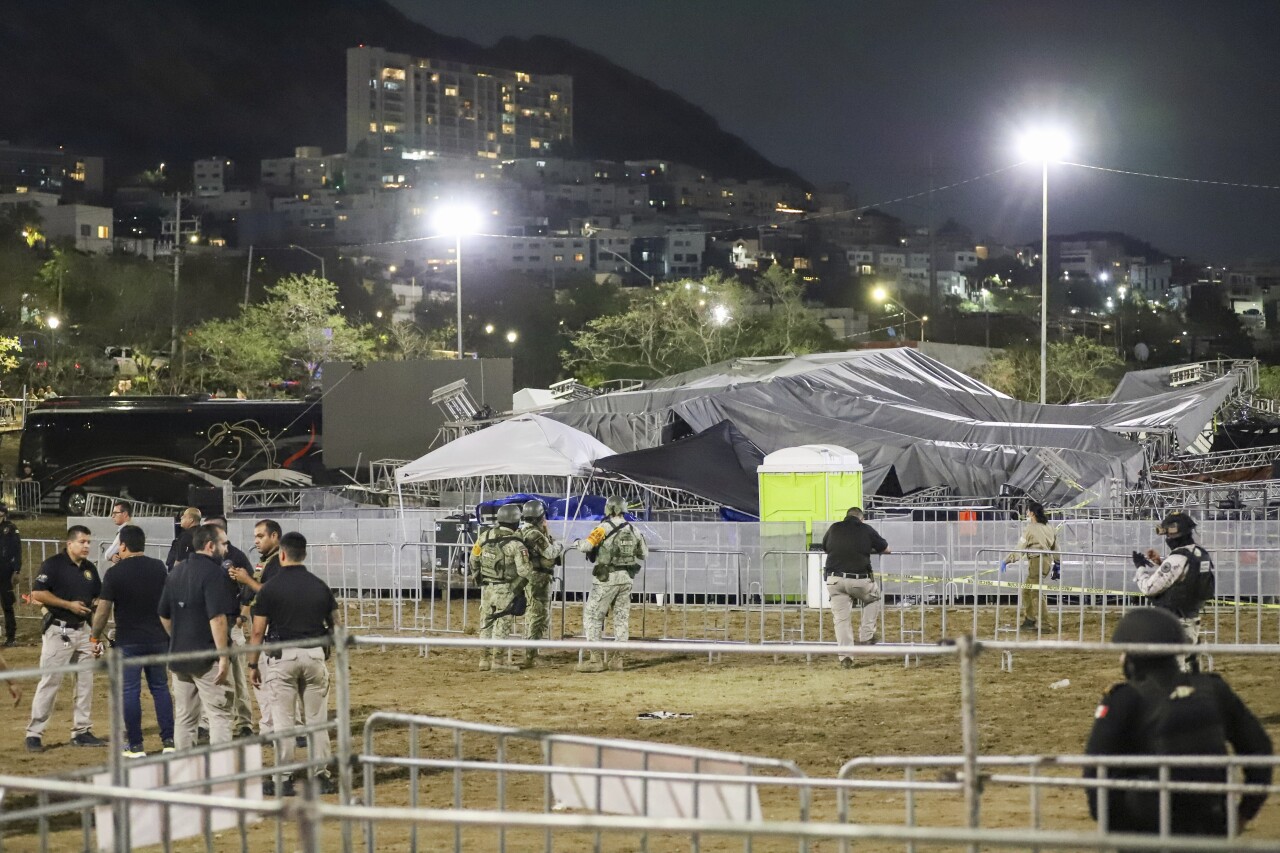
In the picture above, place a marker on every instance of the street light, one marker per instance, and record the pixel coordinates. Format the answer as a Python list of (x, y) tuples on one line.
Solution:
[(457, 220), (1046, 145), (627, 261), (319, 258), (881, 295), (54, 322), (512, 337)]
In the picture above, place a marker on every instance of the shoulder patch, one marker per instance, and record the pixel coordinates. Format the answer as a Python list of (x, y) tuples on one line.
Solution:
[(1101, 712), (1182, 691), (42, 578)]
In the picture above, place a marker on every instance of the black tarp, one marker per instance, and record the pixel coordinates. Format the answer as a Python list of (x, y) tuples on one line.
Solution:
[(718, 463)]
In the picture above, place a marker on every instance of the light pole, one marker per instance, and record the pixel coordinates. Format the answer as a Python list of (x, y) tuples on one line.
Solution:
[(625, 260), (986, 314), (1044, 145), (457, 221), (319, 258), (54, 323), (881, 295)]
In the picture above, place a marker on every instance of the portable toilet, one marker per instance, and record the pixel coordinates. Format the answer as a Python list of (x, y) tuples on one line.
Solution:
[(812, 482)]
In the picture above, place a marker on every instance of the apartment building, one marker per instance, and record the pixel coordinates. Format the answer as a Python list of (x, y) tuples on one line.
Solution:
[(431, 107)]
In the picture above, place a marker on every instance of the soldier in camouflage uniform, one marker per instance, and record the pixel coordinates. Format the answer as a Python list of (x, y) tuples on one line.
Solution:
[(544, 553), (500, 564), (618, 549)]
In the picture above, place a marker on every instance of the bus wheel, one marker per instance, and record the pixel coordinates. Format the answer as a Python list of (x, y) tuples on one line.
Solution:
[(74, 501)]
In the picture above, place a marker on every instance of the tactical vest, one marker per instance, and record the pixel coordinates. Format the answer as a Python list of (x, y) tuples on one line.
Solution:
[(622, 548), (1185, 598), (494, 565), (1179, 718)]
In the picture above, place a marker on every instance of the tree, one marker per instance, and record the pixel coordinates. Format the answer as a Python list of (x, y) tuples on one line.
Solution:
[(686, 324), (297, 325), (1269, 382), (1078, 369)]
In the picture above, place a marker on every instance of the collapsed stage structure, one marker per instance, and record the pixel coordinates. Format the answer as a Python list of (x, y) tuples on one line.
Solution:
[(919, 426)]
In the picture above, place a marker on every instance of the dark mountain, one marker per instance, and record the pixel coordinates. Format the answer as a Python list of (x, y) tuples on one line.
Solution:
[(139, 81)]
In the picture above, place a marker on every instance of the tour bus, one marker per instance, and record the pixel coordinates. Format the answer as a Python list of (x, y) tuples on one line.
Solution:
[(153, 449)]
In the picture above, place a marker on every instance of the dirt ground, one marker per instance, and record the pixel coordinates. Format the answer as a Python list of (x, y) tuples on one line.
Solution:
[(811, 713)]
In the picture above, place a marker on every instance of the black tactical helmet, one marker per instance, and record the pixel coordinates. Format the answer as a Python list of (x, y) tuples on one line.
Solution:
[(615, 506), (1149, 625), (533, 511), (508, 514), (1176, 524)]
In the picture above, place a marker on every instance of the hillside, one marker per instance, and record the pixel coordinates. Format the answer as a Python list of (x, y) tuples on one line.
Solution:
[(140, 82)]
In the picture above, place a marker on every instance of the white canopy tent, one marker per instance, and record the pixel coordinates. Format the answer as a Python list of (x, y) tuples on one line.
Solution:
[(526, 445)]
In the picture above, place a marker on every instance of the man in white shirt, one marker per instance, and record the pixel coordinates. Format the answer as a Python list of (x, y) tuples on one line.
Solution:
[(121, 514)]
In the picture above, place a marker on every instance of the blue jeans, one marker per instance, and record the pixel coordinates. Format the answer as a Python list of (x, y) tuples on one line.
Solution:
[(157, 683)]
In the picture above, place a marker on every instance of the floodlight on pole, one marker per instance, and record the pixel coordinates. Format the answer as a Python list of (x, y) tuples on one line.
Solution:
[(1046, 145), (458, 220)]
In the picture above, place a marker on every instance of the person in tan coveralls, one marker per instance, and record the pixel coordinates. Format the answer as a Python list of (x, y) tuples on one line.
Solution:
[(1038, 536)]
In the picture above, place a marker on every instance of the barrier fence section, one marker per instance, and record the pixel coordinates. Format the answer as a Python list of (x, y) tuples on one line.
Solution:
[(592, 775), (633, 789)]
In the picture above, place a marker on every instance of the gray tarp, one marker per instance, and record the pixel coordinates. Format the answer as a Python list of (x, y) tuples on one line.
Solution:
[(903, 411)]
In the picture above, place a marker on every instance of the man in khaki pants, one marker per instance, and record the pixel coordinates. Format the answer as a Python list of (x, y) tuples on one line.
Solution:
[(67, 586), (849, 545), (295, 605), (193, 609)]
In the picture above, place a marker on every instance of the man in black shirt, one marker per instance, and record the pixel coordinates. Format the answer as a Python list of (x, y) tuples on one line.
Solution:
[(849, 545), (10, 567), (132, 587), (295, 605), (1159, 710), (193, 609), (241, 712), (266, 540), (182, 545), (67, 586)]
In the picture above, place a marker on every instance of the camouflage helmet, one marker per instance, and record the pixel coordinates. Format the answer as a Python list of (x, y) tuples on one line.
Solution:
[(508, 515), (533, 511), (1149, 625), (1176, 524), (615, 506)]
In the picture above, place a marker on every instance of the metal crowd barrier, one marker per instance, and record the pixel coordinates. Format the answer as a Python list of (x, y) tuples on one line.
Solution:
[(785, 810), (21, 496), (99, 506), (626, 774)]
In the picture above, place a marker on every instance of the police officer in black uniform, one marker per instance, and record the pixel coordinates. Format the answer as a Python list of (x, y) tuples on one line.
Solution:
[(10, 567), (1160, 710), (1180, 583), (67, 587)]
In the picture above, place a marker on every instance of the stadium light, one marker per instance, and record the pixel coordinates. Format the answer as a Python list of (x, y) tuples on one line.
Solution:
[(1045, 145), (457, 220)]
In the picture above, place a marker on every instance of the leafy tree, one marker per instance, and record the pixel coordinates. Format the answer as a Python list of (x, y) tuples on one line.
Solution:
[(1269, 382), (303, 310), (10, 348), (1078, 369), (686, 324), (241, 352)]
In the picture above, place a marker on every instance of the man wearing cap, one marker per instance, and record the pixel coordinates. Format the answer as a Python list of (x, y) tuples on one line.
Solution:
[(1160, 710), (849, 545), (500, 564), (10, 568), (1180, 583)]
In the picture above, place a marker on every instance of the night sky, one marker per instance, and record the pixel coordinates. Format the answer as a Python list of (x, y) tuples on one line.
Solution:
[(875, 92)]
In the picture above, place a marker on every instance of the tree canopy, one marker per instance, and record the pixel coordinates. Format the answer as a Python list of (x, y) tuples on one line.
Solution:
[(1078, 369), (681, 325)]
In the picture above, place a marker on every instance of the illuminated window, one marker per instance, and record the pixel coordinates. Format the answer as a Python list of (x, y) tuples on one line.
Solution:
[(451, 91), (535, 143), (559, 259), (373, 127), (555, 96), (578, 257), (521, 77), (391, 128), (104, 232), (393, 74)]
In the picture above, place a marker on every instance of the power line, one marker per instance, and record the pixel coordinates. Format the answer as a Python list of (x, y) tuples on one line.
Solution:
[(1176, 178)]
